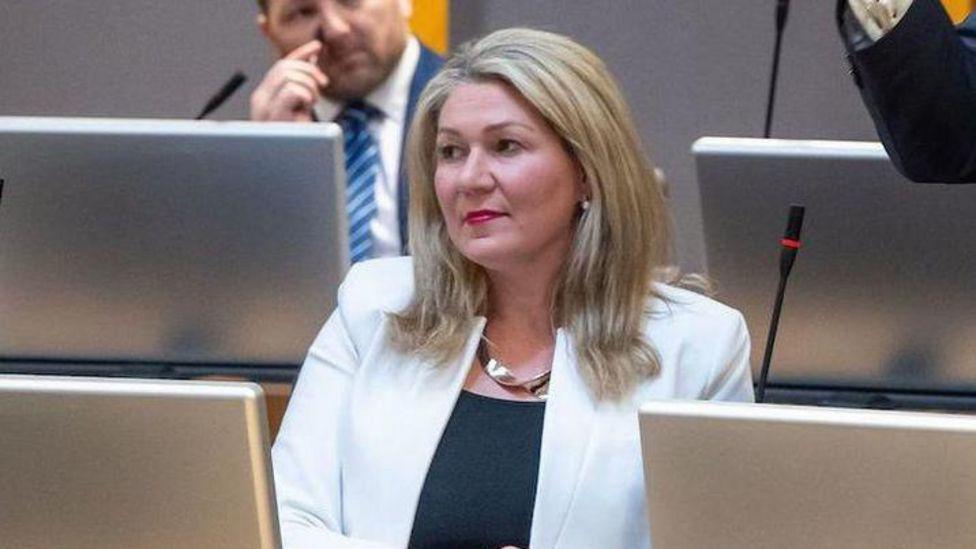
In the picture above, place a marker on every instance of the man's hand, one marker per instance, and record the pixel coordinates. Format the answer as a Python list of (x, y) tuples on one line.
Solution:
[(291, 87), (877, 17)]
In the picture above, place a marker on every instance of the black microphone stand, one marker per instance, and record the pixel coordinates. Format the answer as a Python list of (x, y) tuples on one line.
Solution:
[(791, 244), (782, 10)]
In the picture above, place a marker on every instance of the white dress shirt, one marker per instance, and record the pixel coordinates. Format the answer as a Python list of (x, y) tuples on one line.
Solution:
[(365, 420), (878, 17), (389, 130)]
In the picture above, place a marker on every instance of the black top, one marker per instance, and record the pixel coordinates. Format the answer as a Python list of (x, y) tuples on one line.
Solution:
[(480, 488)]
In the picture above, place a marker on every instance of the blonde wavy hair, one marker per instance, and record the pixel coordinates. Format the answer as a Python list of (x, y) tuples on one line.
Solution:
[(620, 243)]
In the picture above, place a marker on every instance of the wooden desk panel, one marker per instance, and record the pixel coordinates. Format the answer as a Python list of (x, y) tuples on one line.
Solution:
[(276, 397)]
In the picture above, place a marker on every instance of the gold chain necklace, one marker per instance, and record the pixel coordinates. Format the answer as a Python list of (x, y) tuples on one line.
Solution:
[(502, 375)]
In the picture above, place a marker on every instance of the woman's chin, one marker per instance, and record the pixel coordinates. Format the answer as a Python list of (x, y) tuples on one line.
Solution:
[(491, 255)]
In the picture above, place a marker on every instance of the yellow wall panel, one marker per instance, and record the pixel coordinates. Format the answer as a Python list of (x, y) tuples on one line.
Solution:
[(430, 22), (958, 9)]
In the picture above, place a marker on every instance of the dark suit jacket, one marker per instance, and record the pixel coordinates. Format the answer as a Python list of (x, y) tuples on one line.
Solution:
[(427, 67), (919, 84)]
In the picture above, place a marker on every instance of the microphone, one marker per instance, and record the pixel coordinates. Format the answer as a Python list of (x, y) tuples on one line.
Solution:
[(791, 240), (782, 10), (223, 94), (790, 246)]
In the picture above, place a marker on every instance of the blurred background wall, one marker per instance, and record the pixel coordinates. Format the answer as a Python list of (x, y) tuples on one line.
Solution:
[(689, 68)]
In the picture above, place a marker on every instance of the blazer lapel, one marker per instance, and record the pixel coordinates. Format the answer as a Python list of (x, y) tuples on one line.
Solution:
[(398, 415), (566, 435)]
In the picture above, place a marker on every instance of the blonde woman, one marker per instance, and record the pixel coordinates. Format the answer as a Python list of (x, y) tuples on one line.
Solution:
[(483, 393)]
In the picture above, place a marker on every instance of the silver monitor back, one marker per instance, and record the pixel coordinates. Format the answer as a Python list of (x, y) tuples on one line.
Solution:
[(98, 463), (754, 476), (168, 241), (882, 292)]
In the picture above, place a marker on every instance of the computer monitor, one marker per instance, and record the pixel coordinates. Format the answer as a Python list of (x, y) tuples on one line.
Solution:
[(110, 463), (167, 242), (881, 295), (757, 476)]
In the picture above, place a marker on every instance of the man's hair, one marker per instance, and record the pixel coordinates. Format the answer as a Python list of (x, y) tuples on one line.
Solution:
[(263, 6), (619, 244)]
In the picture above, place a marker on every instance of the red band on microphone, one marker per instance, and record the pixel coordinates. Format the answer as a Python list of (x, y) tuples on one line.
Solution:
[(795, 244)]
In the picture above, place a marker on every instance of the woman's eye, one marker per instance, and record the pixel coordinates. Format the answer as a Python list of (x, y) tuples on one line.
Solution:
[(448, 152), (508, 146)]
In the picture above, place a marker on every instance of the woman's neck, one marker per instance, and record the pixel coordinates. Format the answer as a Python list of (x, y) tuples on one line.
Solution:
[(521, 303), (520, 330)]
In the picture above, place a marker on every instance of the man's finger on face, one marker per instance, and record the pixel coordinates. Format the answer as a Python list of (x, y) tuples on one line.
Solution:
[(301, 78), (275, 98), (286, 67), (296, 96), (308, 51), (291, 99)]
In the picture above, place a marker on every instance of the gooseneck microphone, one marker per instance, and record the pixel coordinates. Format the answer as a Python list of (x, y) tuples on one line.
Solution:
[(782, 10), (223, 94), (790, 246)]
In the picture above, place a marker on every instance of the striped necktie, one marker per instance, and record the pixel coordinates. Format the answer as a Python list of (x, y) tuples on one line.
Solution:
[(362, 169)]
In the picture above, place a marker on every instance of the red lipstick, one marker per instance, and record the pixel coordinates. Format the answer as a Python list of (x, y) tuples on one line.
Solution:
[(481, 216)]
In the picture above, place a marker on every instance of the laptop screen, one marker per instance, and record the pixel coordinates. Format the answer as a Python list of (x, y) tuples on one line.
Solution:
[(167, 242), (882, 291)]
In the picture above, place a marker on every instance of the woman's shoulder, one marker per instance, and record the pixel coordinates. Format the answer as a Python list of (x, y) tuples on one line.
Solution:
[(377, 285), (679, 305), (703, 345)]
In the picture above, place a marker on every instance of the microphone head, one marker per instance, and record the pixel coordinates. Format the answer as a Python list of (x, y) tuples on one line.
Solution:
[(795, 223), (782, 9), (236, 81), (223, 94)]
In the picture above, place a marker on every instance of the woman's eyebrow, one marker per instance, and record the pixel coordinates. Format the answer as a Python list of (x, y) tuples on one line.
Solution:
[(490, 127)]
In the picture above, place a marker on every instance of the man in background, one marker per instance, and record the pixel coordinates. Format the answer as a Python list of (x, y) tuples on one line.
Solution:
[(917, 75), (354, 62)]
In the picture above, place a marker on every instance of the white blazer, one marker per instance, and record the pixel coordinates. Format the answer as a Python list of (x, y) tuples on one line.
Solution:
[(364, 421)]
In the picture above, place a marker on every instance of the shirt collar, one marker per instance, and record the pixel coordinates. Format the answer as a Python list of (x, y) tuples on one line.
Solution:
[(391, 96)]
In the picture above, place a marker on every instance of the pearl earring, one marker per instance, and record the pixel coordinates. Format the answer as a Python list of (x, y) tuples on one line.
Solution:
[(585, 204)]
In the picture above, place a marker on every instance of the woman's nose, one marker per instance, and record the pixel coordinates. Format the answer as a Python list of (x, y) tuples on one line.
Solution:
[(475, 174)]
